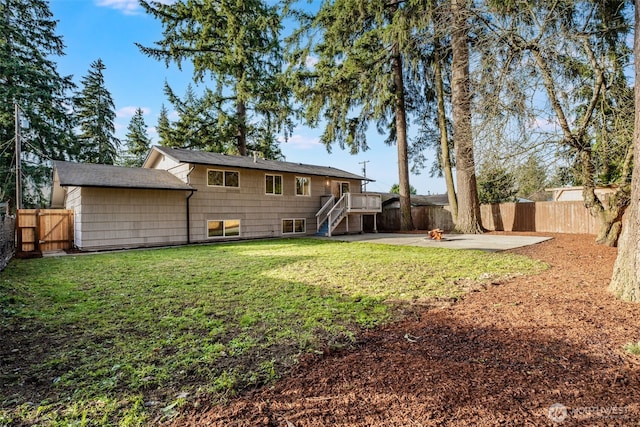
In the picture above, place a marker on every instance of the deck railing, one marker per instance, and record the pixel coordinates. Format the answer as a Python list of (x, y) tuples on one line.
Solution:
[(363, 202)]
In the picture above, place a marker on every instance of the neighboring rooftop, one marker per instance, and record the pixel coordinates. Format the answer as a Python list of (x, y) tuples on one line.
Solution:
[(250, 162), (417, 200)]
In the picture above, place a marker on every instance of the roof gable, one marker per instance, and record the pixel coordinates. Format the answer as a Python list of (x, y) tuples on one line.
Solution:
[(216, 159)]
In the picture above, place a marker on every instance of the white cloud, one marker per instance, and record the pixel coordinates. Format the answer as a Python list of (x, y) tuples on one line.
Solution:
[(311, 61), (544, 125), (128, 7), (302, 142), (129, 111)]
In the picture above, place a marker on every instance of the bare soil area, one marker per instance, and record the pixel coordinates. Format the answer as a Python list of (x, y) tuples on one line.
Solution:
[(536, 350)]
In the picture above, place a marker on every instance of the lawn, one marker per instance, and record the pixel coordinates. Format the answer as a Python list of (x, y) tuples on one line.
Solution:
[(128, 338)]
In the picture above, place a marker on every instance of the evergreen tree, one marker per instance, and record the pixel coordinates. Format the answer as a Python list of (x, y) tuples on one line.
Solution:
[(468, 219), (237, 45), (532, 180), (165, 132), (362, 77), (137, 140), (95, 113), (496, 185), (28, 77), (395, 189)]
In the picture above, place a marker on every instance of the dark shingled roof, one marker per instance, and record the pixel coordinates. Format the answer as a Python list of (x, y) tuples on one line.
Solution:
[(417, 200), (247, 162), (94, 175)]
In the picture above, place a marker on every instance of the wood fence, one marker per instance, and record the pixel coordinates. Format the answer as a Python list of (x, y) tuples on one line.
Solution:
[(545, 217), (7, 239), (43, 230)]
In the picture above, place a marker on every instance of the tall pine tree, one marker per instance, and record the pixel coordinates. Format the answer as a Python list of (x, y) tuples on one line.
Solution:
[(360, 78), (95, 113), (28, 77), (165, 132), (468, 219), (137, 140), (236, 44)]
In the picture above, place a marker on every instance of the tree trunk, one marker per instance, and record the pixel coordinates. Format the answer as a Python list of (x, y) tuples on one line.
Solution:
[(406, 221), (468, 219), (444, 137), (241, 110), (625, 282), (609, 214)]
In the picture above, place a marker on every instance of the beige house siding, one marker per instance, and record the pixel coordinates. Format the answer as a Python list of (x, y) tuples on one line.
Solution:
[(260, 214), (125, 208), (127, 217), (73, 201)]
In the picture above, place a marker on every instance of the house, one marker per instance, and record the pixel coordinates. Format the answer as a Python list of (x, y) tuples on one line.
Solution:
[(573, 194), (185, 196)]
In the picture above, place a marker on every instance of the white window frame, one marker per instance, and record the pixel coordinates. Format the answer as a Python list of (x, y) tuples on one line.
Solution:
[(224, 178), (224, 228), (293, 226), (308, 186), (273, 193)]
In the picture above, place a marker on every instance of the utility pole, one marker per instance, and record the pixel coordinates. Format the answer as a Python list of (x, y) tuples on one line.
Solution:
[(18, 159), (364, 171)]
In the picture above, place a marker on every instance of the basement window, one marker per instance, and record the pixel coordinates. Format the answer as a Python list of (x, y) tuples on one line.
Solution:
[(294, 226), (223, 228)]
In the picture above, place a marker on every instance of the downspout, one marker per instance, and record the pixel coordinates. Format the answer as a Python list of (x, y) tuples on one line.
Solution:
[(188, 210), (189, 219)]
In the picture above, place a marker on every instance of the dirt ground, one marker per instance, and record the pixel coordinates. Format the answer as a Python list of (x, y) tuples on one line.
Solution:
[(530, 351)]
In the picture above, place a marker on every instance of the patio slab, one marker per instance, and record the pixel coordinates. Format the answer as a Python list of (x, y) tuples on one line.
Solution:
[(483, 242)]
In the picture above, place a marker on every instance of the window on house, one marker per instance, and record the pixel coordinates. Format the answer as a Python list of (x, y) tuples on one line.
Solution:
[(303, 186), (226, 228), (273, 184), (218, 178), (294, 226), (344, 188)]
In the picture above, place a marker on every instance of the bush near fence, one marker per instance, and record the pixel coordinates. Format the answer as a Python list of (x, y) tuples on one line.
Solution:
[(545, 217), (8, 243)]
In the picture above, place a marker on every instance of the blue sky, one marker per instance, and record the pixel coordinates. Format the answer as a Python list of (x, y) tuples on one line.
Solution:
[(108, 29)]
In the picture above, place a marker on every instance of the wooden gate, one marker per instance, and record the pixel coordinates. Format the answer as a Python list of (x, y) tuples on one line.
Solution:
[(43, 230)]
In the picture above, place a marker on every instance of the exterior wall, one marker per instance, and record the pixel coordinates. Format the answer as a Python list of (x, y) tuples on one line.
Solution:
[(163, 162), (73, 201), (574, 194), (122, 218), (260, 214)]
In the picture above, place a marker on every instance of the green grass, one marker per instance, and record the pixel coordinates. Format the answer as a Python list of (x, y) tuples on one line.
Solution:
[(123, 338), (633, 348)]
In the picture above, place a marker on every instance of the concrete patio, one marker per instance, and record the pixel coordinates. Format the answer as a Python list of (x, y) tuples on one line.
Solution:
[(483, 242)]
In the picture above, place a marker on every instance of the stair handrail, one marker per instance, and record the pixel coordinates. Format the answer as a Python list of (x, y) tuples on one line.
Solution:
[(341, 203), (323, 213)]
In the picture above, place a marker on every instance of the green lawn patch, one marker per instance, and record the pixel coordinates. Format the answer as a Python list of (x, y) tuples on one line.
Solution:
[(125, 338)]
